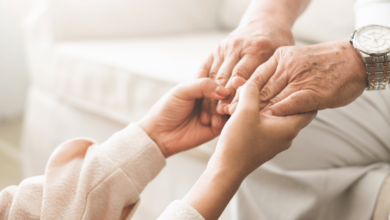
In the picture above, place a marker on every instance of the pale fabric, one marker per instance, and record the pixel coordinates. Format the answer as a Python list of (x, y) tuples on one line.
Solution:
[(382, 209), (180, 210), (84, 180)]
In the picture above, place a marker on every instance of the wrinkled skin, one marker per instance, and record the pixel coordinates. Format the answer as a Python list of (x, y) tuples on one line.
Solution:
[(305, 78), (239, 55)]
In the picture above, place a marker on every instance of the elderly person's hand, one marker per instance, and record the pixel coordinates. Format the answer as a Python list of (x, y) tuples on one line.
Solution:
[(265, 26), (305, 78), (173, 122), (248, 140)]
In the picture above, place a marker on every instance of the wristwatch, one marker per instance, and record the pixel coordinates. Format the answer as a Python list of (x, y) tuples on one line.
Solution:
[(373, 42)]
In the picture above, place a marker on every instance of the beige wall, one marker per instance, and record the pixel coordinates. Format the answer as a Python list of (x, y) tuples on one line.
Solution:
[(13, 73)]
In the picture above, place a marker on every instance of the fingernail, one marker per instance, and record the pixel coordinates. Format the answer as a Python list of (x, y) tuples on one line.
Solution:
[(214, 121), (269, 112), (222, 81), (263, 97), (222, 91), (220, 109), (226, 109), (205, 118), (232, 108)]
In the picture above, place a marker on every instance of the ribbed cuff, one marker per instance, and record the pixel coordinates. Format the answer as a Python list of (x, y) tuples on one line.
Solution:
[(179, 210), (136, 153)]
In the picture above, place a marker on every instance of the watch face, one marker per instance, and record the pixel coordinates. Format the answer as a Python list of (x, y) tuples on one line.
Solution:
[(373, 39)]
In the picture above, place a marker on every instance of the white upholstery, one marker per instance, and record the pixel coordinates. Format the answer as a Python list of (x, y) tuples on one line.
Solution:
[(87, 19), (122, 79)]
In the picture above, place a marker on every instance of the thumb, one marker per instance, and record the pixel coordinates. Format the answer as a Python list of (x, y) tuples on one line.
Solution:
[(204, 87), (249, 97), (298, 102)]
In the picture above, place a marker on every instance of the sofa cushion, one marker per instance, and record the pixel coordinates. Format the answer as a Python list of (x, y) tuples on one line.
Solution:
[(122, 79), (76, 20), (324, 20)]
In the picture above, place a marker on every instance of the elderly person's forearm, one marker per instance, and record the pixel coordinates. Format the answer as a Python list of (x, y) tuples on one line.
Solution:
[(284, 12)]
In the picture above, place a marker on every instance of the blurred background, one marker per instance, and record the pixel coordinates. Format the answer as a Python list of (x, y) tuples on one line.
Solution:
[(13, 88), (74, 68)]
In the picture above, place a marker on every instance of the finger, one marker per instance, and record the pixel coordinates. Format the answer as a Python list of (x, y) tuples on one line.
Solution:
[(230, 109), (299, 121), (242, 71), (246, 67), (205, 68), (276, 82), (249, 98), (264, 72), (226, 69), (216, 119), (205, 118), (290, 89), (200, 88), (217, 129), (217, 62), (298, 102), (237, 83)]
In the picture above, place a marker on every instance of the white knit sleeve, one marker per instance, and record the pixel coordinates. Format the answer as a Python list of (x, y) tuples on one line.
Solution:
[(179, 210)]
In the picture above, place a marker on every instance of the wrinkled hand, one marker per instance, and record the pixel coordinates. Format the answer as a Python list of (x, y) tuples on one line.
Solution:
[(251, 138), (239, 55), (174, 121), (305, 78)]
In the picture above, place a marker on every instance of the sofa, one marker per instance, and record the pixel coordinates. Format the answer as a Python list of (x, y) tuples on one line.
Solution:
[(97, 65)]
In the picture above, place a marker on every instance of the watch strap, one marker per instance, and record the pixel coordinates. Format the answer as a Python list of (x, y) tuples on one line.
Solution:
[(378, 73)]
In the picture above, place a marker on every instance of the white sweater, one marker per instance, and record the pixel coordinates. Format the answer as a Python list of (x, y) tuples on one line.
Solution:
[(84, 180)]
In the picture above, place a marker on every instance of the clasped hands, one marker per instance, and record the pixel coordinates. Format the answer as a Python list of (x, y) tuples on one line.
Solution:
[(281, 89)]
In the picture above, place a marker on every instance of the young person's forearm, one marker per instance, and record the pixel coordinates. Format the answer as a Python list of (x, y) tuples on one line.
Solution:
[(279, 12), (213, 192)]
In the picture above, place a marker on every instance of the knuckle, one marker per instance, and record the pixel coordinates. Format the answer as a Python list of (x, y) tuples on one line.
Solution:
[(265, 93), (256, 78), (234, 43), (213, 74), (263, 42), (281, 51), (275, 100), (241, 72), (222, 79)]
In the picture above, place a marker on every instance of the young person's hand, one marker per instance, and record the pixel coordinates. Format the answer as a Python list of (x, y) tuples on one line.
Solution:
[(174, 121), (249, 139)]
